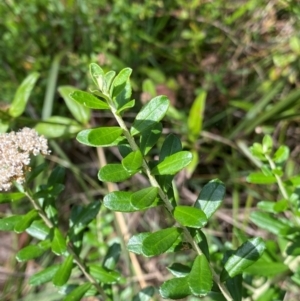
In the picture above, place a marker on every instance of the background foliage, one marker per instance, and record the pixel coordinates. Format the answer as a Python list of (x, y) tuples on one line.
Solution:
[(236, 62)]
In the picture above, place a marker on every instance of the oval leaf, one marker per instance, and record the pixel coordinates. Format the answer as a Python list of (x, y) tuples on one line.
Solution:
[(103, 275), (22, 95), (120, 80), (64, 272), (88, 100), (211, 197), (133, 161), (243, 257), (9, 223), (78, 292), (143, 198), (200, 279), (145, 294), (80, 113), (105, 136), (176, 288), (11, 197), (30, 252), (114, 173), (150, 114), (190, 216), (171, 145), (160, 241), (260, 178), (135, 243), (172, 164), (119, 201), (59, 245), (150, 137)]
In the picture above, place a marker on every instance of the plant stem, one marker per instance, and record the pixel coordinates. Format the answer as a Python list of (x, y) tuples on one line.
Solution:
[(76, 258), (164, 197)]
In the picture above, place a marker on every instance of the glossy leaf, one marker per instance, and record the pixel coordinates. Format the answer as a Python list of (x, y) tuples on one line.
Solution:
[(59, 245), (9, 223), (105, 136), (38, 230), (144, 198), (145, 294), (58, 126), (103, 275), (97, 75), (114, 173), (119, 201), (64, 272), (243, 257), (160, 241), (43, 276), (81, 113), (195, 118), (109, 77), (176, 288), (78, 292), (86, 215), (190, 216), (88, 100), (11, 197), (112, 256), (30, 252), (120, 81), (260, 178), (150, 114), (133, 161), (128, 105), (150, 137), (21, 97), (135, 243), (282, 154), (172, 164), (211, 197), (30, 176), (26, 221), (57, 176), (171, 145), (123, 99), (200, 279)]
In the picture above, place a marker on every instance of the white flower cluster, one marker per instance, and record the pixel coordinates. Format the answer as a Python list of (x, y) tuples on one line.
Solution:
[(15, 151)]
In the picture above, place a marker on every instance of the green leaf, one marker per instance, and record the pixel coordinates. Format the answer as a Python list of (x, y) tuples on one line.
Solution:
[(260, 178), (268, 222), (243, 257), (30, 252), (160, 241), (43, 276), (38, 230), (112, 256), (195, 118), (59, 245), (109, 76), (133, 161), (267, 144), (145, 294), (211, 197), (86, 215), (171, 145), (88, 100), (78, 292), (190, 216), (64, 272), (172, 164), (58, 126), (9, 223), (144, 198), (105, 136), (121, 201), (104, 275), (176, 288), (150, 114), (128, 105), (123, 100), (26, 221), (81, 113), (282, 154), (57, 176), (97, 75), (114, 173), (11, 197), (30, 176), (200, 279), (21, 97), (120, 81), (179, 270), (135, 243), (149, 137)]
